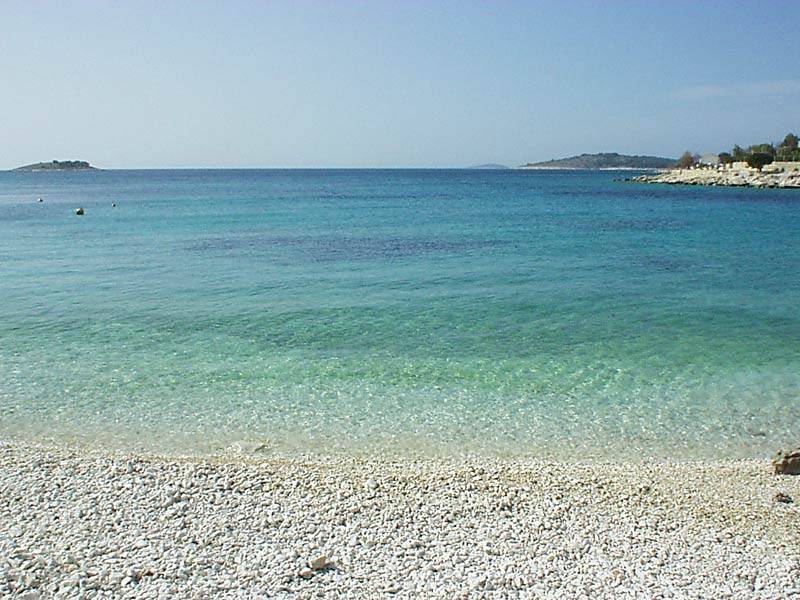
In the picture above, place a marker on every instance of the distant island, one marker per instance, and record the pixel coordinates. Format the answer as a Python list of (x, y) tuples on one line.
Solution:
[(490, 166), (59, 165), (605, 160)]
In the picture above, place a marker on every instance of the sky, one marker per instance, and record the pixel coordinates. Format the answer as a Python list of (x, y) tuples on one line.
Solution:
[(390, 84)]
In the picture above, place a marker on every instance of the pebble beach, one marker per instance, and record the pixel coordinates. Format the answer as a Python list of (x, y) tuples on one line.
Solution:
[(91, 524)]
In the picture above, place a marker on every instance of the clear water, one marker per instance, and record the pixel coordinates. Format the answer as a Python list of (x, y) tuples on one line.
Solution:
[(398, 312)]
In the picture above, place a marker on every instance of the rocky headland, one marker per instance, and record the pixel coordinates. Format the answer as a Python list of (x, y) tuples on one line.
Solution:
[(738, 175)]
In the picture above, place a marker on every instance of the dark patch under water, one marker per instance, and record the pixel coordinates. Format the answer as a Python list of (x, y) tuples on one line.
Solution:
[(336, 248)]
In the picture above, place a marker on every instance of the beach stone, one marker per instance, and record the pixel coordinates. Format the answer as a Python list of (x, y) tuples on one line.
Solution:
[(79, 211), (249, 447), (787, 463), (306, 573), (319, 562), (783, 498)]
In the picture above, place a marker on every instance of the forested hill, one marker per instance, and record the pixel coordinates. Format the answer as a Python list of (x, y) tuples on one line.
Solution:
[(605, 160)]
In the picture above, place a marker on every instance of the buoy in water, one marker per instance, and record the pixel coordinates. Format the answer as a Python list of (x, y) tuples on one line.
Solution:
[(40, 200), (79, 211), (113, 205)]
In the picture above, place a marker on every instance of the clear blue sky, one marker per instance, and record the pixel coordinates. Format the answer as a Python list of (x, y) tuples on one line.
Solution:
[(373, 84)]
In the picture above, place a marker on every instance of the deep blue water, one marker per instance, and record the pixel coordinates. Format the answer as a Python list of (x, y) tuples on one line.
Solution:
[(399, 311)]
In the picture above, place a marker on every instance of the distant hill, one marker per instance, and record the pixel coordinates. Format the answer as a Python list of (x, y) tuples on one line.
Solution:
[(59, 165), (605, 160), (489, 166)]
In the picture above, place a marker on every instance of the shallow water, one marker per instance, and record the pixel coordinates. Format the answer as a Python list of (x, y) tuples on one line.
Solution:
[(396, 312)]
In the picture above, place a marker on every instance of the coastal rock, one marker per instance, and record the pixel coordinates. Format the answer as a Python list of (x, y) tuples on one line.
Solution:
[(787, 463), (79, 211), (724, 177), (783, 498)]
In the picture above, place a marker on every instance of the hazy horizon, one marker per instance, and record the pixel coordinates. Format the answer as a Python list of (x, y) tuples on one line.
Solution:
[(351, 85)]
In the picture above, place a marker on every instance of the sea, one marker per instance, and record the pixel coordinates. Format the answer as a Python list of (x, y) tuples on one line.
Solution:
[(395, 313)]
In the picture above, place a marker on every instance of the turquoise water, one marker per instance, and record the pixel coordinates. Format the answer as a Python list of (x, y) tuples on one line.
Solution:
[(398, 312)]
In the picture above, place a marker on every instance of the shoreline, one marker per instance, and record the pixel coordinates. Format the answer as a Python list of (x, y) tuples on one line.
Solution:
[(234, 527), (735, 177)]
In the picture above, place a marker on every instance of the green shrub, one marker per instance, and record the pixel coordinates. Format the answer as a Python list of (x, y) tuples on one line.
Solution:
[(757, 160)]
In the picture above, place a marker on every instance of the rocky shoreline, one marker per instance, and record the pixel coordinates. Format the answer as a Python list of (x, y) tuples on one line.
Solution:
[(94, 524), (733, 177)]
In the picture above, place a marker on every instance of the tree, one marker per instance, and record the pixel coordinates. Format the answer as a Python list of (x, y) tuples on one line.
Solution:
[(762, 149), (757, 160), (725, 158), (787, 149), (686, 160), (738, 153), (789, 142)]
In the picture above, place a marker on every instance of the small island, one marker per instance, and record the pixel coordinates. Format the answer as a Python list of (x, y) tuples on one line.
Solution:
[(604, 160), (58, 165), (764, 165), (490, 167)]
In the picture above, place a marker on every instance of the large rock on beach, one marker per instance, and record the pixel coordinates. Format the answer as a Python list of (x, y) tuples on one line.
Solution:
[(787, 463)]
